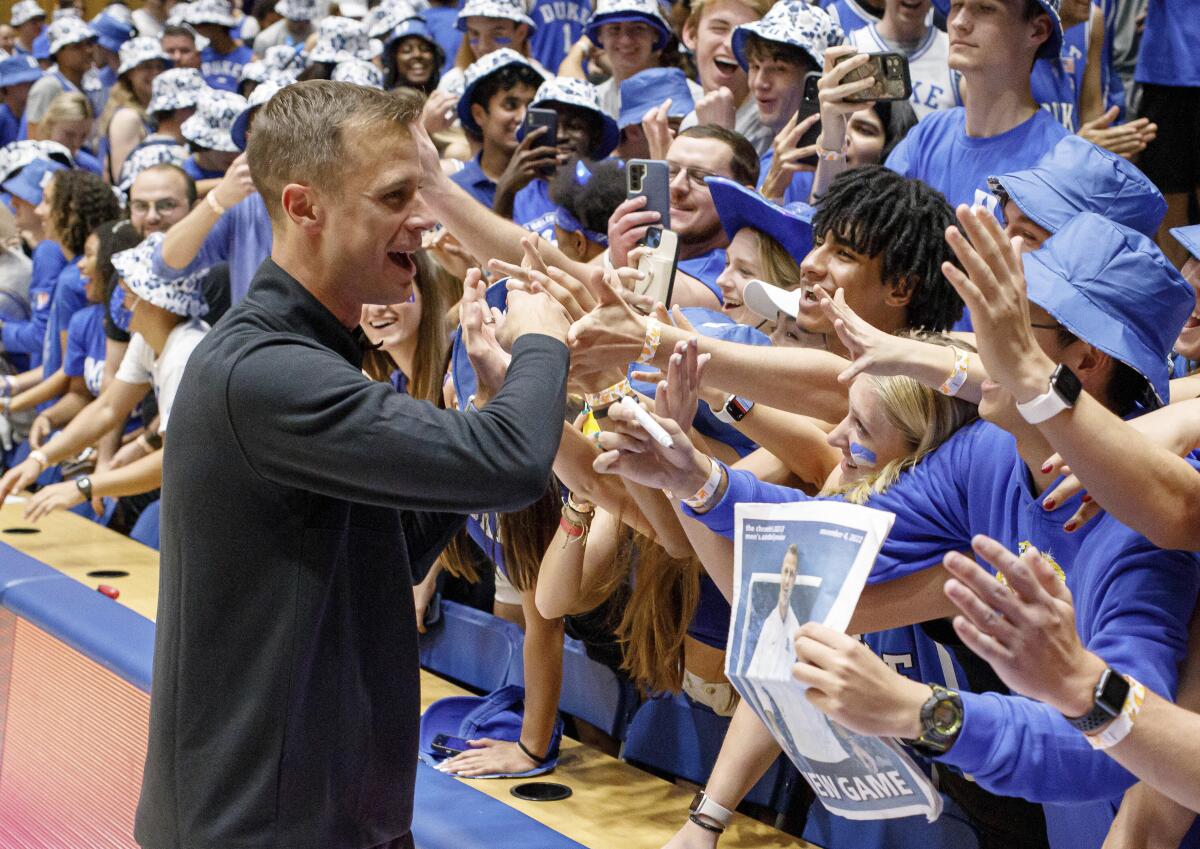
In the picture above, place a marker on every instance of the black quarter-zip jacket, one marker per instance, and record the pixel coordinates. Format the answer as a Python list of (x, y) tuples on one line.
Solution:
[(299, 498)]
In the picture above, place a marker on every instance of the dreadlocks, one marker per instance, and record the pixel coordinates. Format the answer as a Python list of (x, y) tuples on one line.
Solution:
[(876, 211)]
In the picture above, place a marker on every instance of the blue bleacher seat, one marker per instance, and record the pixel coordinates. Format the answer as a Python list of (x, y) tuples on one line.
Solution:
[(472, 647), (145, 529)]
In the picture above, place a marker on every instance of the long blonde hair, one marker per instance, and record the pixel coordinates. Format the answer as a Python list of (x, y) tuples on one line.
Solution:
[(925, 417), (777, 265), (120, 96)]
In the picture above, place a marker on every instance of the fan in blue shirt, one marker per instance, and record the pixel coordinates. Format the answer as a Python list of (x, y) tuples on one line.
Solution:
[(560, 23)]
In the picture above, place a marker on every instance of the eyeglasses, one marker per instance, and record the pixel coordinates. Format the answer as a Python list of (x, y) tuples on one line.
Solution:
[(695, 175), (161, 206)]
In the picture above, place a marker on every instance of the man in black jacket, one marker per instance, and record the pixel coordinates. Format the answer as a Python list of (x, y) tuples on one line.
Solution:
[(299, 497)]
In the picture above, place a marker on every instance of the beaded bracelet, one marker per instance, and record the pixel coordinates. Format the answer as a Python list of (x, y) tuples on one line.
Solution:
[(952, 384), (653, 338)]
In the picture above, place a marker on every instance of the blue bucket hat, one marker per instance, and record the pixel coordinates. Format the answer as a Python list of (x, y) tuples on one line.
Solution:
[(629, 11), (481, 69), (739, 206), (649, 89), (568, 91), (505, 10), (497, 716), (178, 296), (263, 92), (111, 32), (1052, 47), (29, 184), (1113, 288), (414, 26), (1077, 176), (808, 28), (1189, 237), (18, 69)]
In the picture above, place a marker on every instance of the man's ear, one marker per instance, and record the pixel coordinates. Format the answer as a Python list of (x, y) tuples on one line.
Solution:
[(690, 31), (300, 206), (579, 243), (478, 113), (900, 292), (521, 34), (1093, 367), (1041, 29)]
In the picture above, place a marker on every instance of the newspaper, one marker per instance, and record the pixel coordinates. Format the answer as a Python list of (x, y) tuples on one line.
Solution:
[(809, 561)]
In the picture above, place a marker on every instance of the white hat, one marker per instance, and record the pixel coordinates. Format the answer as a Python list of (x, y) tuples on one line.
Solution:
[(210, 125), (280, 62), (180, 296), (146, 156), (25, 11), (795, 23), (138, 51), (356, 9), (216, 12), (67, 31), (506, 10), (297, 10), (359, 72), (176, 88), (339, 39), (16, 155)]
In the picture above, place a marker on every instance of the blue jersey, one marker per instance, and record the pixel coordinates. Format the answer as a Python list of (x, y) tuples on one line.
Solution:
[(10, 127), (560, 23), (224, 70), (443, 24), (850, 14), (68, 298), (477, 184), (1168, 54), (706, 268), (1058, 83), (799, 189), (86, 347), (1133, 603), (29, 337), (533, 209)]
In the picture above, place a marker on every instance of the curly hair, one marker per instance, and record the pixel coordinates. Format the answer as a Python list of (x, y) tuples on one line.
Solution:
[(877, 212), (80, 203)]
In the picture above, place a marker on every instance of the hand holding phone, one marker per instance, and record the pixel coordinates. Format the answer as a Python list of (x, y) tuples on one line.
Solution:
[(890, 71), (658, 264), (809, 106), (650, 178)]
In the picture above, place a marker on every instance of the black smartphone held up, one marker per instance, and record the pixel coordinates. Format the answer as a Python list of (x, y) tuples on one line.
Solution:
[(809, 106), (658, 264), (652, 178), (448, 746), (547, 118), (890, 71)]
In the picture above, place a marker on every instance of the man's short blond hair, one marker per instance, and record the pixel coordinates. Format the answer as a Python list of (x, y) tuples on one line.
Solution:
[(299, 135), (760, 7)]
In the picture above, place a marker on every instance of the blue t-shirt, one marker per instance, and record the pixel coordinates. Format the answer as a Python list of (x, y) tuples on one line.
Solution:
[(533, 209), (1057, 83), (193, 170), (86, 347), (241, 237), (69, 298), (223, 70), (706, 268), (443, 25), (800, 189), (10, 127), (1169, 54), (1133, 603), (477, 184), (560, 23), (29, 337)]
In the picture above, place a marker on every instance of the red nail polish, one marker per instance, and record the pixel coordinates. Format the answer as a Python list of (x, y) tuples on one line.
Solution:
[(1046, 469), (1086, 498), (1050, 503), (1069, 526)]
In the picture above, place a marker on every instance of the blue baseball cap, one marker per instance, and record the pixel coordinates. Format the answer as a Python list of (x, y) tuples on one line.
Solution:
[(1113, 288), (629, 11), (739, 206), (18, 69), (648, 89), (498, 716), (1189, 237), (29, 184), (1077, 176)]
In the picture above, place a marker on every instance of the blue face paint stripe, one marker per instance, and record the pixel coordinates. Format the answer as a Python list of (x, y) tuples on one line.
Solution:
[(862, 455)]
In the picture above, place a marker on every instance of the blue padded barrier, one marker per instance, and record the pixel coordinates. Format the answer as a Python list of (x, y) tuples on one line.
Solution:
[(673, 735), (96, 626), (145, 529), (471, 646), (449, 814)]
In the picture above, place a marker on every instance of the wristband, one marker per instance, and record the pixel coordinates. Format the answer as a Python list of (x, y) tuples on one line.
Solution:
[(1119, 728), (38, 456), (653, 337), (957, 377), (213, 203), (539, 761), (704, 494), (608, 396), (585, 508), (829, 155), (572, 530), (695, 820)]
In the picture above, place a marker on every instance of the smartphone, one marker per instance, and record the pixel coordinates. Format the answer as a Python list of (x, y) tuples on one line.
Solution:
[(890, 71), (658, 264), (547, 118), (652, 178), (809, 106), (448, 746)]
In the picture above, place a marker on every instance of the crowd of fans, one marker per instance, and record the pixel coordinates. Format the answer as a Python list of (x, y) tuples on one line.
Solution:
[(977, 308)]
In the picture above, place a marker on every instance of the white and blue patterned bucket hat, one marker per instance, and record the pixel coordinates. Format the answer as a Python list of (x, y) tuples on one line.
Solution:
[(581, 94), (505, 10), (180, 296), (339, 39), (210, 125), (263, 92), (217, 12), (629, 11), (386, 16), (25, 11), (67, 31), (280, 62), (358, 72), (16, 155), (138, 51), (795, 23), (484, 67), (176, 88), (147, 156), (297, 10)]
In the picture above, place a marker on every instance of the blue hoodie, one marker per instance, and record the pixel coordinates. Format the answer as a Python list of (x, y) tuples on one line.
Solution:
[(1133, 604)]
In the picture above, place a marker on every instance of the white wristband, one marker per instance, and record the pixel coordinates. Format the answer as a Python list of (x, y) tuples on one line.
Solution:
[(705, 494), (1119, 728), (213, 203)]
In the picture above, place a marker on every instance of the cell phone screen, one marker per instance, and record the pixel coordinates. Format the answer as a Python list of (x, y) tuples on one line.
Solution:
[(445, 744)]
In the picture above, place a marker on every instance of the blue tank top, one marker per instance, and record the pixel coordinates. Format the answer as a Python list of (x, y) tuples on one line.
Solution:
[(1058, 83)]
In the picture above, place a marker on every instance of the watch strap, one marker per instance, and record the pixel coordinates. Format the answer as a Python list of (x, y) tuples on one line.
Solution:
[(1103, 711), (937, 738), (703, 806), (1061, 393)]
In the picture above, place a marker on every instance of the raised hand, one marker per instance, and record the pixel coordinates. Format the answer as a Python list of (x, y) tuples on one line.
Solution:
[(612, 333), (236, 185), (437, 115), (1127, 140), (627, 227), (479, 324), (679, 395), (58, 496), (832, 93), (788, 159), (717, 107), (871, 350), (629, 451), (19, 477), (657, 127)]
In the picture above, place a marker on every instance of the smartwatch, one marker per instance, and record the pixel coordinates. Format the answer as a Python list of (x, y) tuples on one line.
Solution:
[(702, 806), (733, 410), (1108, 698), (941, 720), (84, 485), (1061, 395)]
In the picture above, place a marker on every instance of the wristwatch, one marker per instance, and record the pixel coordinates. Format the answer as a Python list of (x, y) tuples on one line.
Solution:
[(734, 409), (702, 806), (84, 484), (1107, 700), (941, 720), (1062, 394)]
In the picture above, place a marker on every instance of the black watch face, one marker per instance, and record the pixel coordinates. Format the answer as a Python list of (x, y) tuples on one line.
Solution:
[(1066, 384), (1113, 691)]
